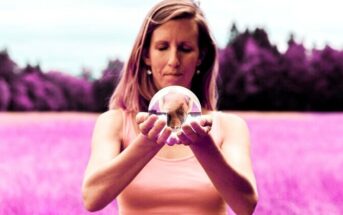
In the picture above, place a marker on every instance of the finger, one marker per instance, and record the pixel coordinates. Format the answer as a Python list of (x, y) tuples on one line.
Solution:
[(172, 140), (147, 124), (189, 132), (199, 130), (207, 129), (179, 142), (141, 117), (156, 129), (183, 138), (164, 135), (206, 121)]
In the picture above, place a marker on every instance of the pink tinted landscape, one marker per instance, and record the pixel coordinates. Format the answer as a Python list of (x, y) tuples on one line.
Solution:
[(297, 158)]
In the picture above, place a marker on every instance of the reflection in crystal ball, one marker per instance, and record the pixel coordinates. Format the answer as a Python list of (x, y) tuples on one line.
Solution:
[(176, 105)]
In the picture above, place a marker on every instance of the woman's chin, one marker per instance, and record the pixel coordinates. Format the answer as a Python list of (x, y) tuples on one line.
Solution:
[(171, 83)]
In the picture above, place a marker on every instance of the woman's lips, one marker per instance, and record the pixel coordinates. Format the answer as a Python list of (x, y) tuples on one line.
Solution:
[(173, 74)]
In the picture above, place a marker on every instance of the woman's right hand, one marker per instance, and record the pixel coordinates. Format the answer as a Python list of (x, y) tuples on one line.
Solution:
[(153, 128)]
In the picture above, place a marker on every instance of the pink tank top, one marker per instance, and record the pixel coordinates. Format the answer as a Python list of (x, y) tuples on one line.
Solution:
[(171, 186)]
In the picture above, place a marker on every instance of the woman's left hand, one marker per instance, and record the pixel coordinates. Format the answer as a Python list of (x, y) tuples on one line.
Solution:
[(195, 131)]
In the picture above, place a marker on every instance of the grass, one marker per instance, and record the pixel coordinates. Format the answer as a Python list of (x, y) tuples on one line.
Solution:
[(297, 158)]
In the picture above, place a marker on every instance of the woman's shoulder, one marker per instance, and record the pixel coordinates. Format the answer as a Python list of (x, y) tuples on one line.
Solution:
[(111, 114), (233, 128), (111, 119), (229, 119)]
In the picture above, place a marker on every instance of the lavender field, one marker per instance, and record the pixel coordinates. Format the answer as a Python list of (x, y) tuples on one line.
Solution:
[(298, 160)]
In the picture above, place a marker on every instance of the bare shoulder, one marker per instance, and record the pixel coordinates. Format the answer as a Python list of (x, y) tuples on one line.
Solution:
[(110, 116), (110, 121), (231, 120), (232, 126)]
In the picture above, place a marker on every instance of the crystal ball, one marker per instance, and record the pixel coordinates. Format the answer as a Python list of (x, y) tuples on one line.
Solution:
[(176, 105)]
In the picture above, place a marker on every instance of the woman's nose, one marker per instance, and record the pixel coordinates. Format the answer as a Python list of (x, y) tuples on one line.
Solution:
[(173, 60)]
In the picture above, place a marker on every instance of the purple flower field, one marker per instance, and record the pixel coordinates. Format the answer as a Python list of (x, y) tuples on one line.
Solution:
[(298, 161)]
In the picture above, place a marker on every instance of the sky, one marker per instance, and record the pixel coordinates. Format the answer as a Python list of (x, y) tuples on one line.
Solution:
[(68, 35)]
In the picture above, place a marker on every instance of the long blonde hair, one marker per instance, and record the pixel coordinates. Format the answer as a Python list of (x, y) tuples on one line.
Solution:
[(136, 88)]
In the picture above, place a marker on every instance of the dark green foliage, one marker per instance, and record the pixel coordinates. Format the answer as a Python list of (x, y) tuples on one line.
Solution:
[(253, 75)]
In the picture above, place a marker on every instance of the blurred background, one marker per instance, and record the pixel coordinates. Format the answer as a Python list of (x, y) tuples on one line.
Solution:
[(281, 69), (273, 55)]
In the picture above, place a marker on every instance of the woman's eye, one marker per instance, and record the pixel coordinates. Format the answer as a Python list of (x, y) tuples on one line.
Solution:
[(186, 49), (162, 48)]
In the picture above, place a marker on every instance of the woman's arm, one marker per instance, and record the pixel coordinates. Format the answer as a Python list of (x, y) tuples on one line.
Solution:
[(109, 171), (229, 168)]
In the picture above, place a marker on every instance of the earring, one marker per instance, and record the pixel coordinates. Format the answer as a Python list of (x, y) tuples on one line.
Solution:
[(198, 71), (148, 72)]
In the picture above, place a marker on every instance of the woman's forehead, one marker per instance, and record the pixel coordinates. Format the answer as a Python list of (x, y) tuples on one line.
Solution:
[(180, 29)]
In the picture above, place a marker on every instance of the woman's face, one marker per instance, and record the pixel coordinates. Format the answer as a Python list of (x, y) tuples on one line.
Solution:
[(174, 53)]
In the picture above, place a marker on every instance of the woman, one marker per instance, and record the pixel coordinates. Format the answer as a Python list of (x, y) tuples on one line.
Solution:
[(209, 168)]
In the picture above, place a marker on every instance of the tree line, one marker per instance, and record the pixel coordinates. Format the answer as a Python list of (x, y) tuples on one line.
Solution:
[(253, 75)]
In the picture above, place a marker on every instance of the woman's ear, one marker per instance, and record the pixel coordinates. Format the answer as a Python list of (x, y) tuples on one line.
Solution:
[(201, 58), (147, 61), (146, 58), (199, 62)]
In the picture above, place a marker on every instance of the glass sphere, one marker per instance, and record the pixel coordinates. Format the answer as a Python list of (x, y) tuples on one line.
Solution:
[(176, 105)]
